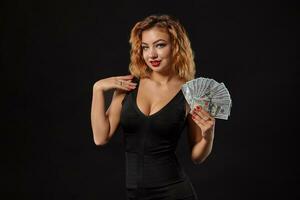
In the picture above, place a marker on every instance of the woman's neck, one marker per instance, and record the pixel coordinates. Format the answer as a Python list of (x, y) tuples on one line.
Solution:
[(162, 79)]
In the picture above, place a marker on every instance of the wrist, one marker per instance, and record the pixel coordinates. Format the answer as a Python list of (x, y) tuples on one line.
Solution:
[(97, 87), (208, 137)]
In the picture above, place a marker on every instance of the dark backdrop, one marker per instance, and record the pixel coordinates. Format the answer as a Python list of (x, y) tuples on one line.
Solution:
[(53, 51)]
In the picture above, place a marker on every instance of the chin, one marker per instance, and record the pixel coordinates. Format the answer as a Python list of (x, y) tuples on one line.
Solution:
[(156, 69), (159, 68)]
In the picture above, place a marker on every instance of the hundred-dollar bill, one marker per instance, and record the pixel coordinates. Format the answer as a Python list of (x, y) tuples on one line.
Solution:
[(212, 96)]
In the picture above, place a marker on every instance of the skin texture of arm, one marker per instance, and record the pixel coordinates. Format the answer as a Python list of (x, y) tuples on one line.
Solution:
[(104, 124), (199, 138)]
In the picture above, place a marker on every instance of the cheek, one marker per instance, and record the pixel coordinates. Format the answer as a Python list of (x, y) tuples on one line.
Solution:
[(145, 56), (166, 53)]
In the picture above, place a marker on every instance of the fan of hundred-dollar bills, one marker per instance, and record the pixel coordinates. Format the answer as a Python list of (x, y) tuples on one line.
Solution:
[(210, 95)]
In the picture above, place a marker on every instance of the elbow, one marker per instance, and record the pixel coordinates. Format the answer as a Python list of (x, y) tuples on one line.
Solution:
[(100, 139), (100, 142), (198, 161)]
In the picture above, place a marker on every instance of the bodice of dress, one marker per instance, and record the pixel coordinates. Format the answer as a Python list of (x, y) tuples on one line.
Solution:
[(151, 141)]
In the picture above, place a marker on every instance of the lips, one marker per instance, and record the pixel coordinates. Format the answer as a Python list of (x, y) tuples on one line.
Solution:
[(155, 63)]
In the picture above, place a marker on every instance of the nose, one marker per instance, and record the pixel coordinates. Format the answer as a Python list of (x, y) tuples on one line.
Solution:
[(153, 53)]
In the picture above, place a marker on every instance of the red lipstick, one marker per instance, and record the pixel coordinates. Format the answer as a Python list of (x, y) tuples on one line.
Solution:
[(155, 63)]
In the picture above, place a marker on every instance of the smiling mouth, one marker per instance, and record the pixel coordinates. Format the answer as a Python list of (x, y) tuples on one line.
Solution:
[(155, 63)]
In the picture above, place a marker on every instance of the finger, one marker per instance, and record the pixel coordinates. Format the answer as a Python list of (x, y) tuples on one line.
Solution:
[(198, 119), (210, 123), (132, 86), (120, 83), (200, 114), (126, 77), (126, 85), (204, 114), (204, 125), (130, 83), (125, 88)]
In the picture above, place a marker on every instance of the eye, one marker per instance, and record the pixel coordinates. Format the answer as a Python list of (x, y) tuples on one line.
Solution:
[(160, 45), (144, 48)]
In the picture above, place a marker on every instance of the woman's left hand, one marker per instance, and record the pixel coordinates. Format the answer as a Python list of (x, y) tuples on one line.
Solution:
[(205, 121)]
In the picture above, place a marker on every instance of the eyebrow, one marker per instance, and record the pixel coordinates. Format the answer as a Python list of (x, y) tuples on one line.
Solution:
[(155, 41)]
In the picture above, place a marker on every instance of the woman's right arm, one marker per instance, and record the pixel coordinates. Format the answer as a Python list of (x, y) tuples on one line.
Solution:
[(104, 123)]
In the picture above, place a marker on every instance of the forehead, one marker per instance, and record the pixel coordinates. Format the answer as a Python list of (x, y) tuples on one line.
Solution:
[(154, 34)]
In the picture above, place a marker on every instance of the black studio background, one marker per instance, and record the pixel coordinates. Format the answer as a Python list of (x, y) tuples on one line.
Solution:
[(53, 51)]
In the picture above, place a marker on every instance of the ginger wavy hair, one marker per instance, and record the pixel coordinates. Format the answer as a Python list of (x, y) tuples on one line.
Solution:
[(182, 54)]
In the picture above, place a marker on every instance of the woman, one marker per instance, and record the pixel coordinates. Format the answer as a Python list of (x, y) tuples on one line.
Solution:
[(152, 111)]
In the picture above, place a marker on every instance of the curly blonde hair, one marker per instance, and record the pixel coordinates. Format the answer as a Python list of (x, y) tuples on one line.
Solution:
[(182, 53)]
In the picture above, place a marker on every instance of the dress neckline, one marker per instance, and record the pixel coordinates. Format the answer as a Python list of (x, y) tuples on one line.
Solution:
[(157, 112)]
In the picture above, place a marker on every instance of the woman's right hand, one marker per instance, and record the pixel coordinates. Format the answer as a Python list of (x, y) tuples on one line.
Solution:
[(118, 82)]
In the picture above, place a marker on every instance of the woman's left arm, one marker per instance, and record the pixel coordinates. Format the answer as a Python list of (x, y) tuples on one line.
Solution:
[(201, 127)]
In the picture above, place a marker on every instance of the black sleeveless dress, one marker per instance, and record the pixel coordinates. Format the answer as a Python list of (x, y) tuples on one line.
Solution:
[(152, 168)]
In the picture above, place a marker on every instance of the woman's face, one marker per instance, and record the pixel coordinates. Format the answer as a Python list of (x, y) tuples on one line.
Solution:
[(156, 48)]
